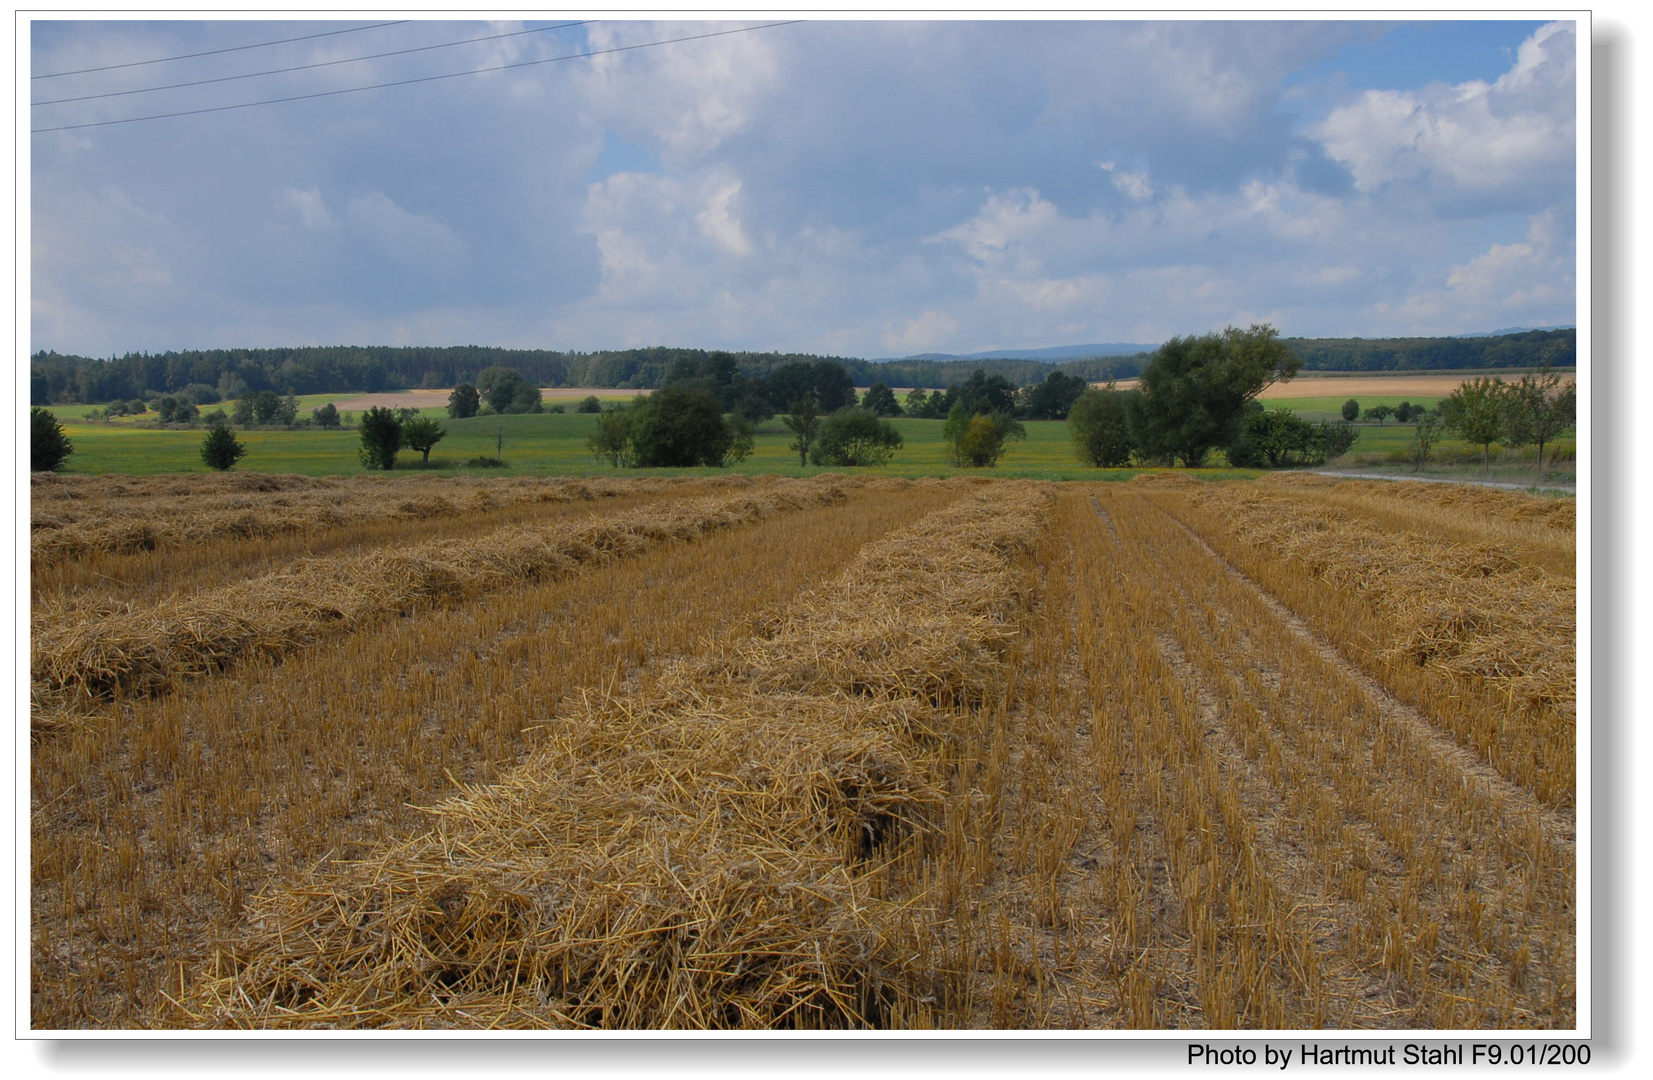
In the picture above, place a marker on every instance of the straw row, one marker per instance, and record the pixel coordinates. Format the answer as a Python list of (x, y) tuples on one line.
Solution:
[(1509, 506), (715, 850), (1468, 610), (78, 656), (75, 517)]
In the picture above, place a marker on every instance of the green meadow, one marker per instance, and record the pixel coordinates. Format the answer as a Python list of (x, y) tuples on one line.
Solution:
[(552, 444)]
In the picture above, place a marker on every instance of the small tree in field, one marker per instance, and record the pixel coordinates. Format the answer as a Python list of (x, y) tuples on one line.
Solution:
[(803, 417), (1539, 409), (1477, 411), (1425, 437), (422, 433), (381, 435), (612, 439), (1380, 413), (1351, 410), (1100, 429), (464, 402), (48, 446), (220, 449)]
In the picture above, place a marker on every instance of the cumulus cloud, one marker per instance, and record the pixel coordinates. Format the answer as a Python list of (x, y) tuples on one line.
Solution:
[(312, 211), (1512, 140), (865, 188), (415, 239)]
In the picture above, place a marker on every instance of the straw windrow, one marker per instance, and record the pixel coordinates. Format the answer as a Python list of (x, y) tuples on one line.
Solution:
[(79, 657), (716, 850)]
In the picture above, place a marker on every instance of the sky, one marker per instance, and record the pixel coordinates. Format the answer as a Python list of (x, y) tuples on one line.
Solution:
[(841, 187)]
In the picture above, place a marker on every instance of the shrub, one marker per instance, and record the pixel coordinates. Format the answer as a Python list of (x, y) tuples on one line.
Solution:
[(855, 437), (48, 446), (327, 416), (381, 434), (590, 404), (220, 449), (1351, 410)]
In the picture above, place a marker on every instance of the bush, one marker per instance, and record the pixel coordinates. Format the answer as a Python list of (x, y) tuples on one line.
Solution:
[(381, 434), (327, 416), (1098, 420), (590, 404), (677, 427), (855, 437), (1351, 410), (220, 449), (978, 440), (48, 446)]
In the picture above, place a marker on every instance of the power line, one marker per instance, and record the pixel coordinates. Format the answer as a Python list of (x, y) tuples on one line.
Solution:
[(215, 52), (307, 67), (409, 82)]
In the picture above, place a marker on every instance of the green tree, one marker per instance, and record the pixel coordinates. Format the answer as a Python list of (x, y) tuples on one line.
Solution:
[(464, 402), (1054, 398), (381, 434), (978, 440), (1098, 421), (880, 401), (266, 404), (678, 427), (803, 418), (1380, 413), (1351, 410), (1539, 409), (856, 437), (506, 391), (422, 433), (918, 402), (326, 417), (612, 439), (220, 449), (1477, 411), (590, 404), (1428, 433), (48, 446), (1195, 389)]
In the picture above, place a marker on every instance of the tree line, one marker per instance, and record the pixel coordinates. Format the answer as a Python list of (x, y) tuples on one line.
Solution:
[(227, 374)]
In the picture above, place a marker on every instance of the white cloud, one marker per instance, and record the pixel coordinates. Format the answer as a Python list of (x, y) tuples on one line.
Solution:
[(1134, 185), (410, 238), (312, 210), (929, 331), (719, 223), (1515, 136)]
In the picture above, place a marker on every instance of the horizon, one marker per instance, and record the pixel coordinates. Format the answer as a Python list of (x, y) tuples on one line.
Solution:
[(867, 189)]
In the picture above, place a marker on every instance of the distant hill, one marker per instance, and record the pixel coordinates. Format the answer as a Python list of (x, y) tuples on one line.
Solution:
[(1052, 354)]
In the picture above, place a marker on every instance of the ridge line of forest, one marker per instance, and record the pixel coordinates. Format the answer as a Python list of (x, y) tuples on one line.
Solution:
[(373, 368)]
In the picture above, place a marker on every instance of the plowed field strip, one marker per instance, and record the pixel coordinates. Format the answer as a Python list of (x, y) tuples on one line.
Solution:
[(1467, 903), (148, 834)]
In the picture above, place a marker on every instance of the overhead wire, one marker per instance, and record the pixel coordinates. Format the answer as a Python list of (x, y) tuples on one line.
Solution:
[(307, 67), (215, 52), (410, 82)]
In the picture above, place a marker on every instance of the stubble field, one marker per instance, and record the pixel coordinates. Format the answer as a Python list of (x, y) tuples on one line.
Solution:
[(826, 752)]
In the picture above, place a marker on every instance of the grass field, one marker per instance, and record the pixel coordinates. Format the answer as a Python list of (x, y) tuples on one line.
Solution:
[(460, 751), (554, 445)]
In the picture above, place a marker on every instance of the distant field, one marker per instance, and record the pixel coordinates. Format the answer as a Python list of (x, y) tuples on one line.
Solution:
[(438, 399)]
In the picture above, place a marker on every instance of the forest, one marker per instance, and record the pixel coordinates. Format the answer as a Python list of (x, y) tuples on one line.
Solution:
[(58, 378)]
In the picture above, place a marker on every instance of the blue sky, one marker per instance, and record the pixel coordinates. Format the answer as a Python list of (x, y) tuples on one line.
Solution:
[(849, 187)]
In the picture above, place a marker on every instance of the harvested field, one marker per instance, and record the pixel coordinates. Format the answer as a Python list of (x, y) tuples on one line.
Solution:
[(853, 754)]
